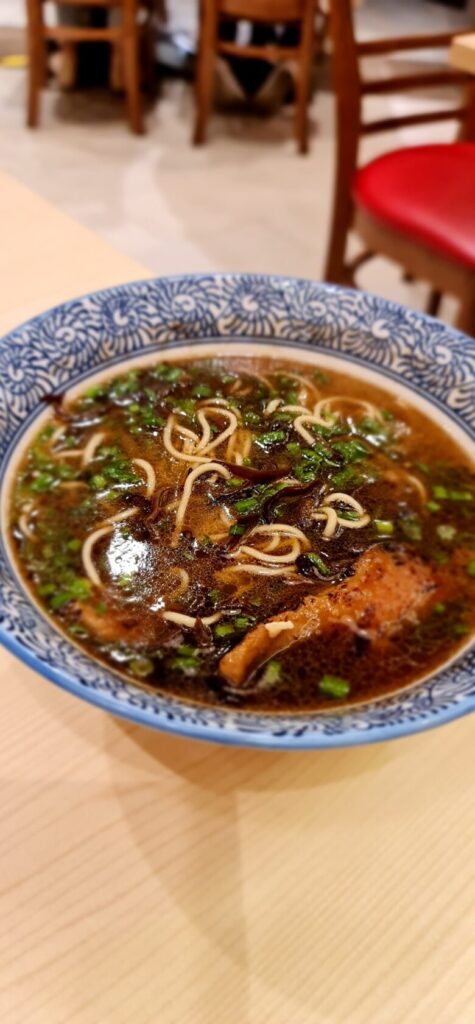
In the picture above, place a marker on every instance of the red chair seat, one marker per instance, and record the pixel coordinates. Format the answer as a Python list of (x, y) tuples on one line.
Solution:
[(427, 193)]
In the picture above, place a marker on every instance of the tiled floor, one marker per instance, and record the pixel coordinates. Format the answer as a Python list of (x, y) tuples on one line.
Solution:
[(245, 201)]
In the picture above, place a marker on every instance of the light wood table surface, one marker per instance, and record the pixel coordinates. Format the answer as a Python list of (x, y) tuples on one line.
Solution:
[(156, 881), (462, 53)]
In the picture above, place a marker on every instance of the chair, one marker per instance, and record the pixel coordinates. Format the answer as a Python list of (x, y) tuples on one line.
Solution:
[(415, 206), (262, 12), (125, 37)]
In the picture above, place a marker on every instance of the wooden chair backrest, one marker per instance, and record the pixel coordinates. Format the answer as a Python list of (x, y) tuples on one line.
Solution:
[(350, 85), (272, 11)]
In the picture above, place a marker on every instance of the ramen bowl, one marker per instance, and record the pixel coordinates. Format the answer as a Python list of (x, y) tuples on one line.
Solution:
[(408, 354)]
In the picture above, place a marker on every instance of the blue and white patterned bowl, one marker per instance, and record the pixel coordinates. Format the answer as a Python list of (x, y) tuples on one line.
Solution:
[(399, 349)]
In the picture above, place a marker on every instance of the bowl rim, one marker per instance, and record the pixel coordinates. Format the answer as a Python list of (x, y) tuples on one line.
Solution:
[(261, 739)]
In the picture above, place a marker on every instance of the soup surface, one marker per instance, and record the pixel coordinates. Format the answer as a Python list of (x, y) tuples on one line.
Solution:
[(250, 532)]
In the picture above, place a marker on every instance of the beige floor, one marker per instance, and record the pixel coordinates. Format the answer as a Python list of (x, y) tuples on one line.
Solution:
[(245, 202)]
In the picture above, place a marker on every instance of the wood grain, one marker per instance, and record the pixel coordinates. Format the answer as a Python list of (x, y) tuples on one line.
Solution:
[(151, 880)]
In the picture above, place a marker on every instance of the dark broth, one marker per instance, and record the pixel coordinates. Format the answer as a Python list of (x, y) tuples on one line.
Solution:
[(413, 487)]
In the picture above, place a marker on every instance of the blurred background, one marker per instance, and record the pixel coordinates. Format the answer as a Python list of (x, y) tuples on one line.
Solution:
[(245, 200)]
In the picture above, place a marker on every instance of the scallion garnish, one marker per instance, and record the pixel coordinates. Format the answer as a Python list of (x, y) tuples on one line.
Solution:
[(334, 686), (446, 532), (384, 526), (272, 673), (245, 505)]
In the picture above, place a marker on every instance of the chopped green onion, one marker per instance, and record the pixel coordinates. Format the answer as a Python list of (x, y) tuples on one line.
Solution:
[(272, 673), (273, 437), (141, 667), (433, 506), (246, 505), (59, 599), (251, 419), (186, 405), (293, 448), (187, 649), (201, 391), (352, 451), (42, 482), (167, 373), (411, 528), (303, 475), (244, 621), (369, 426), (77, 630), (318, 454), (319, 377), (80, 588), (346, 478), (318, 562), (236, 530), (47, 431), (460, 496), (384, 526), (471, 568), (186, 663), (461, 629), (334, 686), (74, 545), (446, 532), (439, 608), (98, 481), (77, 589), (95, 392), (64, 471), (223, 629), (439, 491), (124, 581)]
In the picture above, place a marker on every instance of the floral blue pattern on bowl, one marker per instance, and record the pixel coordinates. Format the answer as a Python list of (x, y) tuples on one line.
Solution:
[(75, 340)]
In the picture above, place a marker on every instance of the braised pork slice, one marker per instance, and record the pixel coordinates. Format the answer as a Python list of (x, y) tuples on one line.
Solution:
[(387, 589)]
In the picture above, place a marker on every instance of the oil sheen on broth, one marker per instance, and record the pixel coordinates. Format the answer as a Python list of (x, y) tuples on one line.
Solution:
[(250, 532)]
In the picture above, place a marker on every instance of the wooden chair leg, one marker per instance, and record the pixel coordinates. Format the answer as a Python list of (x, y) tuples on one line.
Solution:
[(148, 50), (35, 61), (67, 76), (130, 50), (342, 217), (434, 301), (116, 69), (205, 69), (302, 83)]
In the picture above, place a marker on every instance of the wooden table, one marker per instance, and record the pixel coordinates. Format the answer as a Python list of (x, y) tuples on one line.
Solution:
[(462, 53), (157, 881)]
